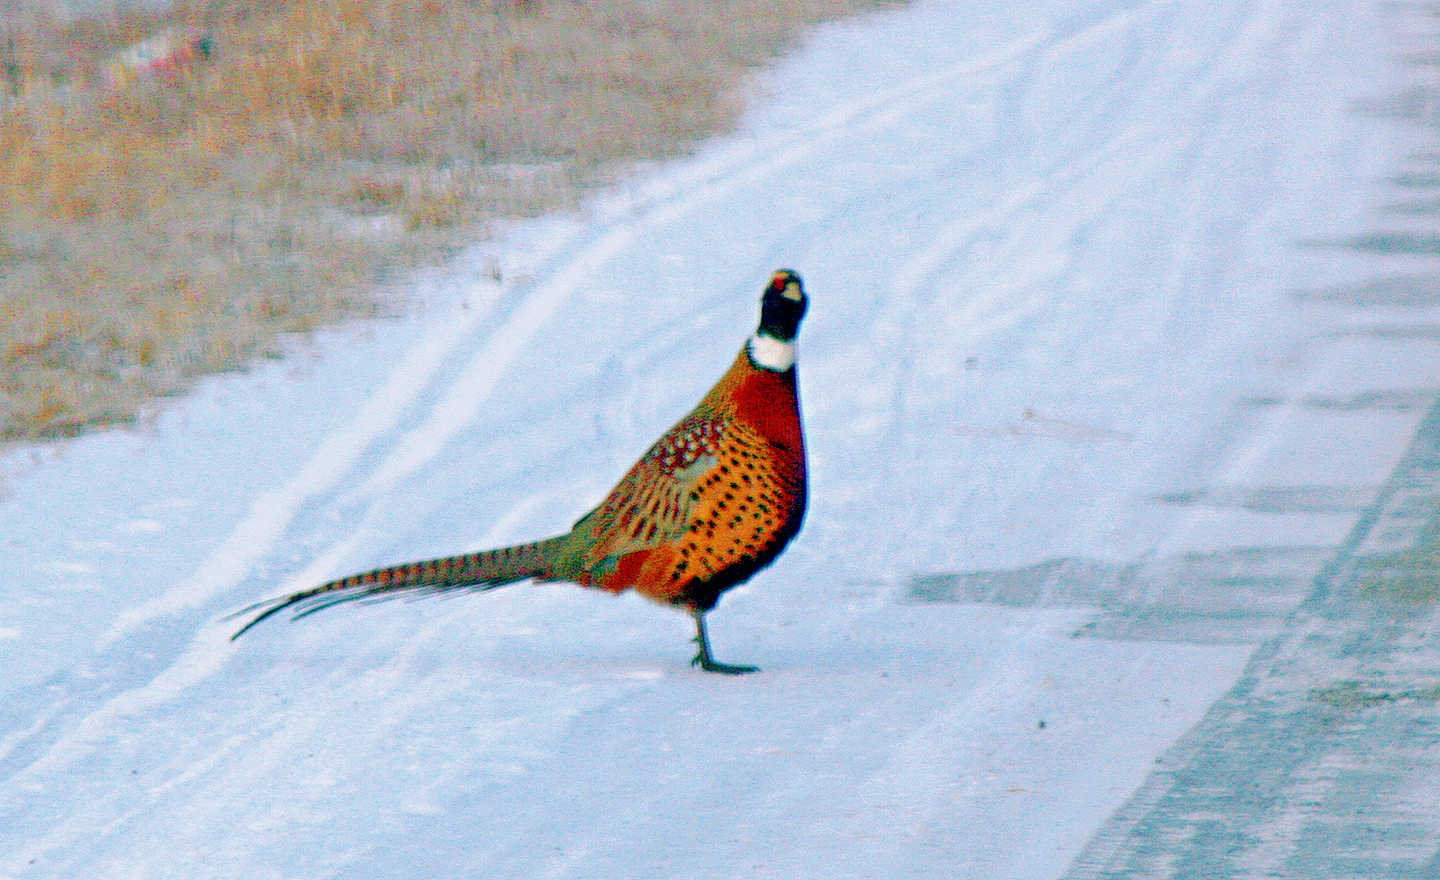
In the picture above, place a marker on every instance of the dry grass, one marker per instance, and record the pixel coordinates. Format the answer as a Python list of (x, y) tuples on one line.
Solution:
[(158, 227)]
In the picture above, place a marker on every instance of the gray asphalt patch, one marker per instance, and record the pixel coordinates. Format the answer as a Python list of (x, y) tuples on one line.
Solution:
[(1322, 760), (1276, 499), (1401, 292), (1401, 400), (1240, 596)]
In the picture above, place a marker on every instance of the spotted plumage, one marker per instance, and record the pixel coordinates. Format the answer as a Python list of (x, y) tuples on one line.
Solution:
[(712, 502)]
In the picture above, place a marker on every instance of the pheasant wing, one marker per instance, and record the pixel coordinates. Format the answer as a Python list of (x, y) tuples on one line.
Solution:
[(654, 503)]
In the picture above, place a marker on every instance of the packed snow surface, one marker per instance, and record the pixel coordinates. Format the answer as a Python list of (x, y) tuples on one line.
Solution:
[(1055, 364)]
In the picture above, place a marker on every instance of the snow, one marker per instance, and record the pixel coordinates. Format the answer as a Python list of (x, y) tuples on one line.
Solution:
[(1053, 252)]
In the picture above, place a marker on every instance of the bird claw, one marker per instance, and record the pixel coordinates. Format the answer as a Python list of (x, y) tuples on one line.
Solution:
[(709, 665)]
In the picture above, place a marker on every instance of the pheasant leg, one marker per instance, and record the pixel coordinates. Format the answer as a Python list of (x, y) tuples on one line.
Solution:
[(705, 660)]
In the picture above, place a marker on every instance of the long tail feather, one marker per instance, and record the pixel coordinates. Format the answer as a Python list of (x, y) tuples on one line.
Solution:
[(485, 570)]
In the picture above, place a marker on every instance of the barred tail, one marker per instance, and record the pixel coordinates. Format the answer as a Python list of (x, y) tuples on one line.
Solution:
[(485, 570)]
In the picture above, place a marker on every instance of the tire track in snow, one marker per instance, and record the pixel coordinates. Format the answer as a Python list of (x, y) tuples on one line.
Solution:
[(1015, 245), (270, 513), (985, 303)]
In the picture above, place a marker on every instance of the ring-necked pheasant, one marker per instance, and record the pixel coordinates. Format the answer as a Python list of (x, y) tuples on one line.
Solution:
[(712, 502)]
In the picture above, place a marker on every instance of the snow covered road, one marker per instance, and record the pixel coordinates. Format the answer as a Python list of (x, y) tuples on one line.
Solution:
[(1088, 411)]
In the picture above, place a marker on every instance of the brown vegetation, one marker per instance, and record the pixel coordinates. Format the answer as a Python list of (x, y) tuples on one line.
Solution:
[(163, 220)]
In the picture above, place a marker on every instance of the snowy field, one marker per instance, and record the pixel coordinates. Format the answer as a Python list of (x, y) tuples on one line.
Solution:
[(1065, 379)]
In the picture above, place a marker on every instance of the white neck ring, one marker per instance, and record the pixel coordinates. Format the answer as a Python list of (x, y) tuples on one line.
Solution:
[(772, 354)]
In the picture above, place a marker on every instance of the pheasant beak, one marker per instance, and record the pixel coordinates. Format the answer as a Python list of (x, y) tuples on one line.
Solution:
[(788, 283)]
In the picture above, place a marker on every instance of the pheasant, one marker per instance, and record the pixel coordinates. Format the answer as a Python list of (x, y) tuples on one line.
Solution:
[(712, 502)]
